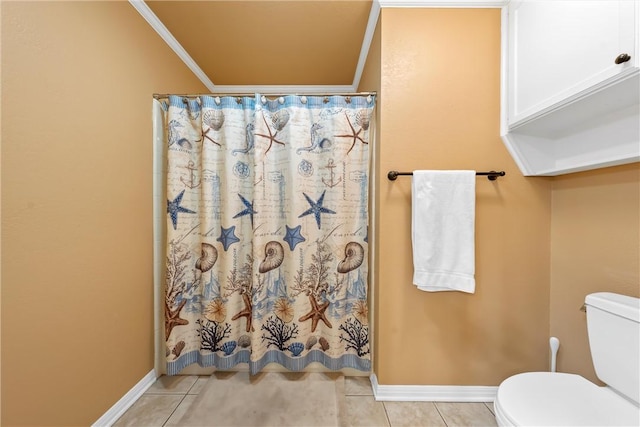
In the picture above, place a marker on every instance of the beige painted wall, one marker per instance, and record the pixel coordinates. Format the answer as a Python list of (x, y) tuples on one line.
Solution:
[(595, 247), (439, 108), (77, 303)]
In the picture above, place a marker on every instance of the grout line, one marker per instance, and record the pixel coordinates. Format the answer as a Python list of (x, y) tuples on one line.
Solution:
[(489, 408), (168, 392), (193, 385), (163, 394), (386, 414), (440, 413), (174, 410)]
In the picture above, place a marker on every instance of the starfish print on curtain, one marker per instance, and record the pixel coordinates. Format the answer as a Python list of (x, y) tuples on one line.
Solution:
[(279, 122), (363, 121), (248, 210), (316, 314), (293, 236), (316, 208), (227, 237), (174, 208)]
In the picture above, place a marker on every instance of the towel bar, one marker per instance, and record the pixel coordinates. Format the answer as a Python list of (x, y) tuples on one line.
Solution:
[(491, 175)]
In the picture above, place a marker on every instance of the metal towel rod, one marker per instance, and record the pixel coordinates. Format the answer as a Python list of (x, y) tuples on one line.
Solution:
[(491, 175)]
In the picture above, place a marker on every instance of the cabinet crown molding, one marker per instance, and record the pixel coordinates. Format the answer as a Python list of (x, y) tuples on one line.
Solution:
[(443, 3)]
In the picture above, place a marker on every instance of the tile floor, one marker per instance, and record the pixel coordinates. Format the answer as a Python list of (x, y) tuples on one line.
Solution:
[(166, 401)]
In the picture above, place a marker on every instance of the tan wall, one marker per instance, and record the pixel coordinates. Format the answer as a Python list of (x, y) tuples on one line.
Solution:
[(595, 247), (440, 104), (77, 303), (371, 82)]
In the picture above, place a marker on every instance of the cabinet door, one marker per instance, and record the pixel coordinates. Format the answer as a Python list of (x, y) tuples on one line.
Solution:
[(558, 49)]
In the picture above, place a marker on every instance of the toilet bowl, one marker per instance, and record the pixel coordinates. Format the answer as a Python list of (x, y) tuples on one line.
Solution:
[(557, 399), (561, 399)]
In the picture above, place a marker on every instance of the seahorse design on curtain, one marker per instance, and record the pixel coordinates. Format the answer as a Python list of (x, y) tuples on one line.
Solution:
[(267, 255)]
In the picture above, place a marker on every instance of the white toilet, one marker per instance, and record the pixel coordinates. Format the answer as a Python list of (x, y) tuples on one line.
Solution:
[(558, 399)]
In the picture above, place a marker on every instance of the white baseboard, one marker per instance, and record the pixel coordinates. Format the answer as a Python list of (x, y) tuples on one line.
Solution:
[(432, 393), (116, 411)]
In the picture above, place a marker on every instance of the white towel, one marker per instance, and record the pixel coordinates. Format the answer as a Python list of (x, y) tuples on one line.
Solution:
[(443, 230)]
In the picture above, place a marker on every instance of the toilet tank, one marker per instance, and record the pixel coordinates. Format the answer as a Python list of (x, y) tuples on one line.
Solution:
[(613, 324)]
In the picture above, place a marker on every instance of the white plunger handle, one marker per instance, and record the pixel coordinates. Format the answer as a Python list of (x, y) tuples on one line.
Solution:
[(554, 343)]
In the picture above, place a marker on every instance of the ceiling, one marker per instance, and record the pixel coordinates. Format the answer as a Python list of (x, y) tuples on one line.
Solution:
[(267, 42)]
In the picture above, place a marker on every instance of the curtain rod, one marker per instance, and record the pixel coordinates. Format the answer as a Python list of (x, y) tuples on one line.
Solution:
[(195, 95)]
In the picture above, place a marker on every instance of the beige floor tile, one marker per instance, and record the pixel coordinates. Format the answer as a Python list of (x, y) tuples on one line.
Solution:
[(230, 376), (466, 414), (178, 384), (363, 411), (413, 414), (266, 399), (150, 410), (358, 386), (199, 384), (180, 411)]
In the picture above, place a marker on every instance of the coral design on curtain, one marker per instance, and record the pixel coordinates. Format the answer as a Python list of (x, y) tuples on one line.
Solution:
[(267, 213)]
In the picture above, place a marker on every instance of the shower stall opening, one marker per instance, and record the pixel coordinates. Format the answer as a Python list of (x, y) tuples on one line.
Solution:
[(261, 232)]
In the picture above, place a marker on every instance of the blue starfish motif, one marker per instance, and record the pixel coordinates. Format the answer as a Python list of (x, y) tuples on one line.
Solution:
[(173, 208), (248, 211), (227, 236), (293, 236), (316, 208)]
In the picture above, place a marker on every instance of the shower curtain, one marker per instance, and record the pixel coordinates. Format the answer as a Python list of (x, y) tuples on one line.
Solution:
[(267, 213)]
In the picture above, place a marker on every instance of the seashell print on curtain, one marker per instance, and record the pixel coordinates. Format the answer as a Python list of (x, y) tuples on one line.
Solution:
[(267, 213)]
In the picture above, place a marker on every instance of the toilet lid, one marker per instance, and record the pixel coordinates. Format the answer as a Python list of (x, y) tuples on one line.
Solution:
[(558, 399)]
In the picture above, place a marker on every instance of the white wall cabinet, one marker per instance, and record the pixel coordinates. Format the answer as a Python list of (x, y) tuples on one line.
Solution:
[(571, 91)]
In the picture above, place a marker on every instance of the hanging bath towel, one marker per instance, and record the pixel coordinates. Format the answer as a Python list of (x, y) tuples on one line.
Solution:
[(443, 229)]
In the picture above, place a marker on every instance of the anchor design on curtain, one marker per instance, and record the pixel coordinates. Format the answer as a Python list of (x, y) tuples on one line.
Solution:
[(267, 256)]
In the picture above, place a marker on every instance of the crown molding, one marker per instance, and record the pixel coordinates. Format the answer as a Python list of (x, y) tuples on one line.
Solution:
[(281, 89), (166, 35), (443, 3), (374, 13)]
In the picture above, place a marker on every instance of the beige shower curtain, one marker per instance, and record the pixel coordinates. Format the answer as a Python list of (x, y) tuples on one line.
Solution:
[(267, 217)]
